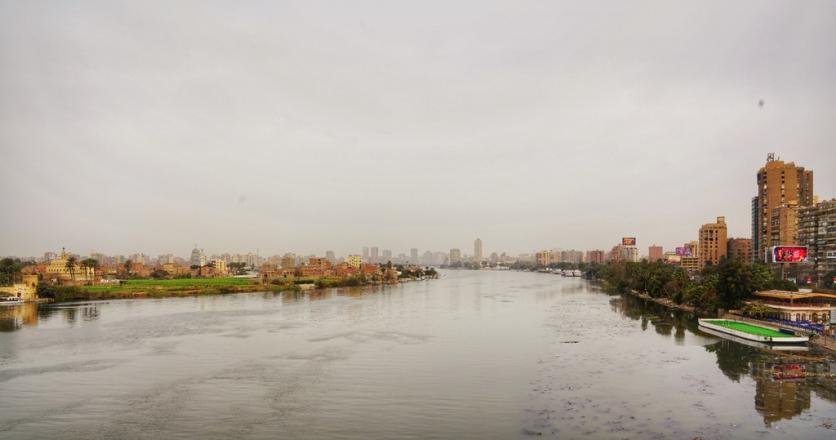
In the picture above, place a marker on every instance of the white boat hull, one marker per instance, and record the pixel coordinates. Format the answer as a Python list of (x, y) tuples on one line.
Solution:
[(748, 336)]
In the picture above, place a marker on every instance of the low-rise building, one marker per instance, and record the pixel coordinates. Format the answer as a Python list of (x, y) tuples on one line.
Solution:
[(797, 306), (354, 261), (26, 290), (60, 269)]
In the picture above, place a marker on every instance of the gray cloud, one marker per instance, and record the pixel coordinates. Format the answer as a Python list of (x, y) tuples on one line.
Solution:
[(306, 126)]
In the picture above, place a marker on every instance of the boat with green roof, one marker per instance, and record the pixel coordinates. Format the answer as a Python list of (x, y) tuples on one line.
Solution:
[(753, 332)]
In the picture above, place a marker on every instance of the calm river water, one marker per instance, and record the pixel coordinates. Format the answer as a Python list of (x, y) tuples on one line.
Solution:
[(471, 355)]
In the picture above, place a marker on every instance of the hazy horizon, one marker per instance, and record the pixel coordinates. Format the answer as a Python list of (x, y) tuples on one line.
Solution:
[(312, 126)]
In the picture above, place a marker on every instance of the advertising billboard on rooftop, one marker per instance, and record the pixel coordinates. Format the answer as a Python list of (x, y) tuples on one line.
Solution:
[(628, 241), (789, 254), (684, 251)]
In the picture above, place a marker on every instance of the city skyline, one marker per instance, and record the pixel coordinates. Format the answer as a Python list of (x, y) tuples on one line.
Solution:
[(518, 135)]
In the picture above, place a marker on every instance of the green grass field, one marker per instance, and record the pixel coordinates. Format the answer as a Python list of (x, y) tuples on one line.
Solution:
[(749, 328), (175, 284)]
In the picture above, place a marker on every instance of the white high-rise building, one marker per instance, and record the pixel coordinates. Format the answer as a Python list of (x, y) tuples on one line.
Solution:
[(477, 251), (198, 258)]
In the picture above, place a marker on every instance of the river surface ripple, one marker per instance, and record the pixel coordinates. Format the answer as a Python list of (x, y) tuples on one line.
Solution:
[(471, 355)]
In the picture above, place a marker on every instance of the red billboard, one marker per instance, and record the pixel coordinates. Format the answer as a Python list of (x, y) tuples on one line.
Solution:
[(628, 241), (789, 254)]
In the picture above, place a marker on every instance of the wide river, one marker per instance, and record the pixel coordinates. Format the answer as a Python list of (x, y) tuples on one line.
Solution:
[(471, 355)]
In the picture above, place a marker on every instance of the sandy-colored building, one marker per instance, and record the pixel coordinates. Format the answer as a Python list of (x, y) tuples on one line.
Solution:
[(595, 256), (655, 253), (544, 258), (26, 290), (740, 248), (59, 270), (712, 242), (782, 189), (354, 261)]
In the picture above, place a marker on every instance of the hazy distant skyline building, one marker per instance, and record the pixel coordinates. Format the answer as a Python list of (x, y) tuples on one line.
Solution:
[(783, 187), (655, 253), (455, 256), (543, 258), (413, 256), (477, 251), (374, 257), (198, 257), (595, 256)]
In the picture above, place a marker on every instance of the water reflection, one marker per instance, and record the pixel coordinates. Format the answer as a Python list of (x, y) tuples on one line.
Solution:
[(16, 317), (469, 353), (776, 398), (32, 314)]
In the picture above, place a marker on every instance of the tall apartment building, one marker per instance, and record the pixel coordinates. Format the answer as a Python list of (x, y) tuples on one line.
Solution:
[(544, 258), (621, 252), (288, 261), (740, 248), (655, 253), (712, 242), (198, 257), (571, 256), (375, 256), (817, 231), (595, 256), (413, 256), (477, 250), (782, 189), (455, 256)]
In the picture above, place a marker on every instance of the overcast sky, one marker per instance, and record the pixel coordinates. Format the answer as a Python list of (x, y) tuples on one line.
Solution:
[(311, 126)]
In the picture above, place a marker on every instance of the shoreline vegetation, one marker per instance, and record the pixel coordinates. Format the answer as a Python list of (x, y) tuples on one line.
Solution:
[(181, 287), (723, 286)]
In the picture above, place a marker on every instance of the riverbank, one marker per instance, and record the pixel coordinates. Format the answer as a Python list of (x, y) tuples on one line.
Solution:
[(662, 301), (149, 288)]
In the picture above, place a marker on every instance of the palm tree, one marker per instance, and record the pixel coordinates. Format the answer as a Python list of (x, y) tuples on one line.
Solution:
[(90, 263), (128, 265), (70, 266)]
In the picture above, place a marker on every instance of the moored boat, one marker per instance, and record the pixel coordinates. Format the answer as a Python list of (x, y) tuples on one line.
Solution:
[(10, 301), (753, 332)]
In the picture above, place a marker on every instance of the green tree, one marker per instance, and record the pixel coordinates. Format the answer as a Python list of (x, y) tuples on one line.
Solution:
[(10, 268), (71, 265), (734, 282), (128, 266), (90, 263)]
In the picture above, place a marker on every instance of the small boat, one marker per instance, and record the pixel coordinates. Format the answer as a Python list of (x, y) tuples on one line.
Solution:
[(10, 301), (753, 332), (577, 273)]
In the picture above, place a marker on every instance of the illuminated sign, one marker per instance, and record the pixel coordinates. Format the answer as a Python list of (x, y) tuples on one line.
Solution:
[(628, 241), (789, 254)]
